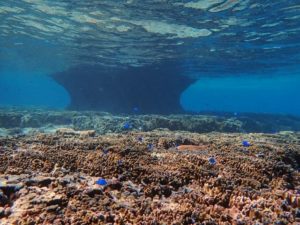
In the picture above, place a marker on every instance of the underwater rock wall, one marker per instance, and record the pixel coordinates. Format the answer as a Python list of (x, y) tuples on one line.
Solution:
[(149, 89)]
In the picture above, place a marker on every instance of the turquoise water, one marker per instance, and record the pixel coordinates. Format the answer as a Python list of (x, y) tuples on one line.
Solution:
[(157, 56)]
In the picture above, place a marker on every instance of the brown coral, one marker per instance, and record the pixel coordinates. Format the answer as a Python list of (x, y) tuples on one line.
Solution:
[(55, 176)]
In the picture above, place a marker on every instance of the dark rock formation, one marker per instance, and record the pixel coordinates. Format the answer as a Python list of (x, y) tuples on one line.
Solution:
[(151, 89)]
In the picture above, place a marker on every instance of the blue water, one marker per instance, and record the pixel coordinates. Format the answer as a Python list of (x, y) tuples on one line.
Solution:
[(218, 94), (32, 90), (258, 94), (240, 56)]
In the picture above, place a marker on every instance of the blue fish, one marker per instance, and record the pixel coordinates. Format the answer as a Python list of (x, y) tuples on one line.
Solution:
[(127, 126), (101, 182), (105, 151), (120, 162), (150, 147), (135, 109), (212, 161), (246, 143), (140, 139)]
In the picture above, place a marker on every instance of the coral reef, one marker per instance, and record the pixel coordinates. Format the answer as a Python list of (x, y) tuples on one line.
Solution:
[(51, 178), (18, 121)]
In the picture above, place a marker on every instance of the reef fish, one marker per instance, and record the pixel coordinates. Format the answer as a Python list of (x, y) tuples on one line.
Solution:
[(246, 143), (127, 126), (140, 139), (135, 109), (212, 161), (101, 182), (150, 147), (191, 147)]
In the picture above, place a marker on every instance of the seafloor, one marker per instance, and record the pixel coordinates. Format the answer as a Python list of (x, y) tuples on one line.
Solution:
[(48, 171)]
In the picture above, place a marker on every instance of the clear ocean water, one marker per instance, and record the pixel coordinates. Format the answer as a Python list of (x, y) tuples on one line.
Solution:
[(156, 56), (150, 112)]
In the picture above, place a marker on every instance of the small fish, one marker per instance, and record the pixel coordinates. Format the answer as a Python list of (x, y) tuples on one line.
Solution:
[(140, 139), (150, 147), (212, 161), (101, 182), (127, 126), (246, 143), (235, 114), (136, 109), (105, 151), (191, 147)]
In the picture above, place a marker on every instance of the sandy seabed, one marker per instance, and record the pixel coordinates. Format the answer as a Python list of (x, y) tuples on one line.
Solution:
[(153, 177)]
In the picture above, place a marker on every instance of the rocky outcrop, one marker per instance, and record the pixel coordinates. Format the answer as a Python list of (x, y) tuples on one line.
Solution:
[(150, 89)]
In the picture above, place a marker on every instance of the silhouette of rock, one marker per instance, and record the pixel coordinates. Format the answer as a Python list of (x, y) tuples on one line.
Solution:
[(151, 89)]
